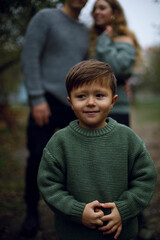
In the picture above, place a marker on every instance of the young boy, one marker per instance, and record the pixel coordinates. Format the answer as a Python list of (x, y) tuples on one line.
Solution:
[(95, 174)]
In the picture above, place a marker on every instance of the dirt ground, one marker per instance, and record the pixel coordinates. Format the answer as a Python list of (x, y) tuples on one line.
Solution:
[(150, 133), (11, 221)]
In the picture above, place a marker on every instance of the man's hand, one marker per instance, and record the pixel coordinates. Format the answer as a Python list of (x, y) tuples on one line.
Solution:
[(41, 113), (90, 218), (114, 220)]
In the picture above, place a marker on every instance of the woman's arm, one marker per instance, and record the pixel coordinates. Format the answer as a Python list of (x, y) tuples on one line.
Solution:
[(119, 54)]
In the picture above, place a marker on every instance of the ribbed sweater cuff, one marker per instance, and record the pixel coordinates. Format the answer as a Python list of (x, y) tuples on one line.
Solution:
[(105, 37), (77, 210), (103, 42), (36, 100), (123, 210)]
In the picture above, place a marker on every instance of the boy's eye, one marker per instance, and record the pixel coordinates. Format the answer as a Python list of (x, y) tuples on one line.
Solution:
[(81, 96), (99, 95)]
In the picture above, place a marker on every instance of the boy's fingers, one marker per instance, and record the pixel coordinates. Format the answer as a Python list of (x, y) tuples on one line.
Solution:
[(105, 228), (99, 212), (118, 232), (95, 204), (112, 230), (99, 216), (106, 218), (97, 209), (108, 205), (99, 222)]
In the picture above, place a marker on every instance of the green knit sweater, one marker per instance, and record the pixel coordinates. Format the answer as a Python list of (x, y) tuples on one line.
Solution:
[(109, 164)]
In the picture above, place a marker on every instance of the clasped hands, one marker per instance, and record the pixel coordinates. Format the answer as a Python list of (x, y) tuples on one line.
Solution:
[(93, 217)]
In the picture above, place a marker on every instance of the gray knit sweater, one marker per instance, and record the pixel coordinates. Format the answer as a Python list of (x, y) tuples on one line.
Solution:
[(121, 57), (54, 42), (109, 164)]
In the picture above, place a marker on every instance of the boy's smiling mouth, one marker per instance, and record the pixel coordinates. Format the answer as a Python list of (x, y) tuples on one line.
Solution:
[(91, 112)]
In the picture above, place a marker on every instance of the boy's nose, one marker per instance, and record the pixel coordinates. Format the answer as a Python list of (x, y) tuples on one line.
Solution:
[(91, 101)]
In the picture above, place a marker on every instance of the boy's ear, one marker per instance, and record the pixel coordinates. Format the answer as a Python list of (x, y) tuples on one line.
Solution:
[(69, 100), (114, 99)]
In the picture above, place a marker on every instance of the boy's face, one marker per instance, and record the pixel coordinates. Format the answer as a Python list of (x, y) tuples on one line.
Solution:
[(91, 104)]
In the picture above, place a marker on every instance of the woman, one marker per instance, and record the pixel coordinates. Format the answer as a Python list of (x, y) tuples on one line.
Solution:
[(111, 41)]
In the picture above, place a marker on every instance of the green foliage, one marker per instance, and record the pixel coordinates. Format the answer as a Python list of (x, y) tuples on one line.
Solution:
[(10, 72), (15, 16), (147, 111), (12, 162), (153, 70), (150, 77)]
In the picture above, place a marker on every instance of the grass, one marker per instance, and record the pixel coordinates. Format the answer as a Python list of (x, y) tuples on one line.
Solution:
[(12, 173), (146, 111)]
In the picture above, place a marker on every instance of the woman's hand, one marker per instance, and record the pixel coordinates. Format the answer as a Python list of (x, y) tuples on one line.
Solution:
[(108, 30)]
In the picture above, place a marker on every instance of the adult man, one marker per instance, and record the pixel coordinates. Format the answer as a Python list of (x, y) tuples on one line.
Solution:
[(54, 42)]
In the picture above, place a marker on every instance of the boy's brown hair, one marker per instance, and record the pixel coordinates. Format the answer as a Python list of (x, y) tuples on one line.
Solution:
[(87, 72)]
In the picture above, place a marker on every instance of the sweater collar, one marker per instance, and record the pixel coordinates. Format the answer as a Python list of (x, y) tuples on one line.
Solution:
[(69, 17), (111, 123)]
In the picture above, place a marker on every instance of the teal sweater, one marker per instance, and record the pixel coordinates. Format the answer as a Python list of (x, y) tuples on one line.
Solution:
[(109, 164), (121, 57)]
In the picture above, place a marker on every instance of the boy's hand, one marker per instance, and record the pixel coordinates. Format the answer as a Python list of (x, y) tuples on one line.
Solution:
[(114, 221), (90, 218)]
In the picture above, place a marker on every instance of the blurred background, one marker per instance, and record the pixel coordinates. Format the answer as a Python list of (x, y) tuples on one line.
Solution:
[(144, 19)]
